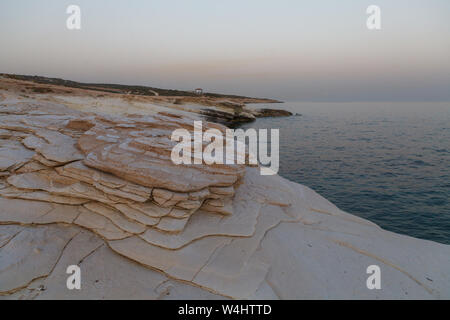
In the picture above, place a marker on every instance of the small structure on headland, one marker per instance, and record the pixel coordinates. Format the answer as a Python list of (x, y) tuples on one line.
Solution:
[(199, 91)]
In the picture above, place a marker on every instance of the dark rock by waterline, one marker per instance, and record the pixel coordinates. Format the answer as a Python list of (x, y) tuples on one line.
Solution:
[(238, 117), (264, 113), (230, 119)]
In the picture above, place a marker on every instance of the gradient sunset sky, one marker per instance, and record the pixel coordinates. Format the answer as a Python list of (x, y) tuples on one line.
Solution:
[(287, 49)]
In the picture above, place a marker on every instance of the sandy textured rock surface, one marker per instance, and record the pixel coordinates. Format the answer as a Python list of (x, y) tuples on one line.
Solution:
[(99, 191)]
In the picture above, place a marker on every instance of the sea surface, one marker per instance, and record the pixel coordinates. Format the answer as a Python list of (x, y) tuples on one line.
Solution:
[(386, 162)]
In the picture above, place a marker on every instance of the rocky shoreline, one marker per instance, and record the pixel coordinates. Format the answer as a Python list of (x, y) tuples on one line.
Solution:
[(229, 110), (84, 183)]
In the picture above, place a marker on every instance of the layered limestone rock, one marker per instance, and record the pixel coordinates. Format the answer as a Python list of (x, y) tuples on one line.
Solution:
[(101, 192)]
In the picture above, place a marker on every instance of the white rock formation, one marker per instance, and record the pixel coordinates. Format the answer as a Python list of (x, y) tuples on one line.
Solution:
[(101, 192)]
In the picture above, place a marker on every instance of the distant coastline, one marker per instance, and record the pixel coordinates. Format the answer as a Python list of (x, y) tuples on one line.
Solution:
[(229, 110), (132, 89)]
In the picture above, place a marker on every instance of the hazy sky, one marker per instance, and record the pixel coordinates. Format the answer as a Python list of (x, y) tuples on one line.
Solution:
[(316, 50)]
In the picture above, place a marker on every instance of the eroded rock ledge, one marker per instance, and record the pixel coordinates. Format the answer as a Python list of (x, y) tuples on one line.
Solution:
[(101, 192)]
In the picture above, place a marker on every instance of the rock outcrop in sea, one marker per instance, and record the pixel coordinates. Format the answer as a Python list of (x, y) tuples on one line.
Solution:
[(100, 192)]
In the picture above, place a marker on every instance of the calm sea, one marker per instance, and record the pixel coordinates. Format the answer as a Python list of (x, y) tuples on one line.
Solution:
[(386, 162)]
